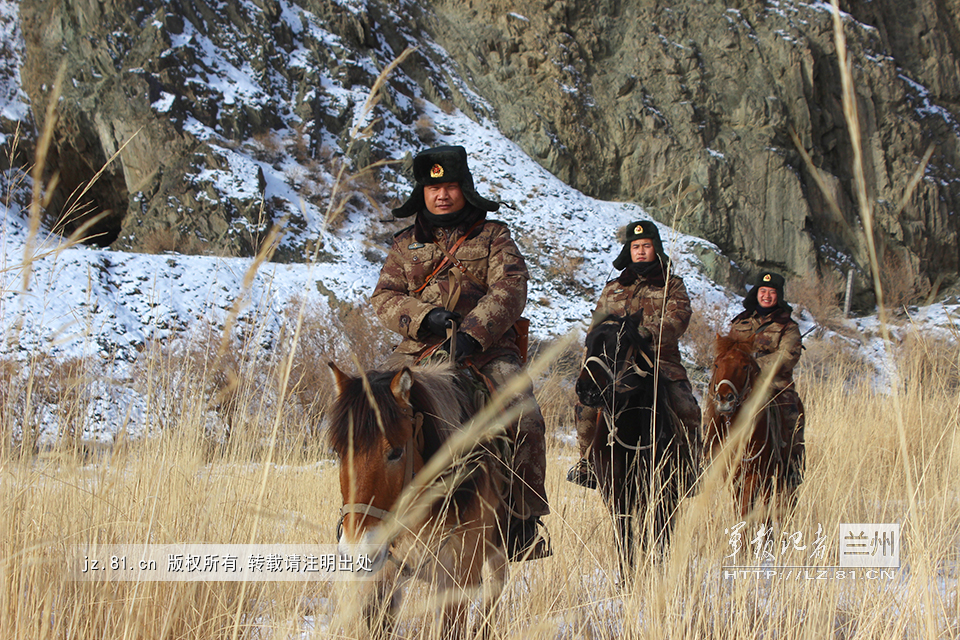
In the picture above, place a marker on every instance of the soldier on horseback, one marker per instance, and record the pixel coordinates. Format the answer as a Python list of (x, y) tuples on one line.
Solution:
[(456, 282), (777, 344), (657, 298)]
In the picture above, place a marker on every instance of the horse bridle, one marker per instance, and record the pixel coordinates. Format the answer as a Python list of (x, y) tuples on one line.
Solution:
[(770, 409), (628, 358), (738, 396), (414, 441), (746, 391), (620, 388)]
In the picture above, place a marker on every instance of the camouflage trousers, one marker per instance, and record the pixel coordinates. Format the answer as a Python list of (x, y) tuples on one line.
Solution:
[(527, 435), (792, 418), (680, 395)]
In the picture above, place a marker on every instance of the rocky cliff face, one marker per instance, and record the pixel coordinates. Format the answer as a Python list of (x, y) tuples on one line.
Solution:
[(183, 95), (689, 107), (686, 107)]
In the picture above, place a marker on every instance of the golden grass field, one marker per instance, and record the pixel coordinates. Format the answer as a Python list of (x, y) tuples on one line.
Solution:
[(173, 487)]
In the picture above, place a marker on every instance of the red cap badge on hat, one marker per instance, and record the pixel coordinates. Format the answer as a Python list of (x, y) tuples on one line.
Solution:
[(638, 229), (766, 278), (436, 171)]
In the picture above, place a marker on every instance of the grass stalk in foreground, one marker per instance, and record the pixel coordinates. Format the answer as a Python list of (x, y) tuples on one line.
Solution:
[(914, 523)]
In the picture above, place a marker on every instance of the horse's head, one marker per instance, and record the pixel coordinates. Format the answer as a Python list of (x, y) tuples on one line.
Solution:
[(383, 426), (734, 372), (377, 434), (617, 358)]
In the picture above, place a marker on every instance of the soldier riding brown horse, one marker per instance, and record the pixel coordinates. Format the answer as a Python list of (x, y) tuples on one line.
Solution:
[(456, 282), (763, 340), (385, 427)]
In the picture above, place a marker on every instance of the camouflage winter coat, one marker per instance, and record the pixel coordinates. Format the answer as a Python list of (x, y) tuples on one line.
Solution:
[(666, 311), (775, 336), (489, 311)]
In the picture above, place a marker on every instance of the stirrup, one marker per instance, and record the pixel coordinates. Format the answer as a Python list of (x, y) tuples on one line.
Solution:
[(526, 542), (582, 474)]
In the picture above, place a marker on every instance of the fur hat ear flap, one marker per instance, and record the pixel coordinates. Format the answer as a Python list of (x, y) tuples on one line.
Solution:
[(414, 204), (623, 260)]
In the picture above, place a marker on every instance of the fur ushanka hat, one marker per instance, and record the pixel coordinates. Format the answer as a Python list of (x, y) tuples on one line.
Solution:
[(767, 279), (438, 165), (637, 231)]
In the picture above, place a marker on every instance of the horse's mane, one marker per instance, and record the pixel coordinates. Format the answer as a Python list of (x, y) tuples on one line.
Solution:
[(728, 345), (435, 394), (631, 333)]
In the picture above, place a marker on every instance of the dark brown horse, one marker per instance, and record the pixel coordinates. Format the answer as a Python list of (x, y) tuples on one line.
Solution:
[(759, 463), (639, 452), (384, 428)]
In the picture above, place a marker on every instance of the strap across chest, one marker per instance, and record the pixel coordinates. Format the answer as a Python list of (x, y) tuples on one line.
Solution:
[(450, 257)]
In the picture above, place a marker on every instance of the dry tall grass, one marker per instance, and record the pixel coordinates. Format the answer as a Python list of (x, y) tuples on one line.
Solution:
[(166, 489)]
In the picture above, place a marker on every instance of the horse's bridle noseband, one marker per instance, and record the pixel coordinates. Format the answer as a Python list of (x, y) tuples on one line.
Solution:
[(737, 395)]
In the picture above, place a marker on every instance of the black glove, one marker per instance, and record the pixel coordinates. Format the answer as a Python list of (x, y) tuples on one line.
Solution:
[(439, 319), (467, 345)]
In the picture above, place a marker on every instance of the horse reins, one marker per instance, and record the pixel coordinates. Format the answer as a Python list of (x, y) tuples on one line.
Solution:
[(747, 389), (615, 378), (771, 408), (740, 397), (618, 388)]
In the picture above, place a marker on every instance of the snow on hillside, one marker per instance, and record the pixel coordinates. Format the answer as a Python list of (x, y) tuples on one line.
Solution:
[(13, 102), (83, 301)]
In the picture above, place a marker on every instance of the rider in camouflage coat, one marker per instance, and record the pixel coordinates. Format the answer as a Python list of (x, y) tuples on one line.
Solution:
[(777, 343), (646, 287), (421, 296)]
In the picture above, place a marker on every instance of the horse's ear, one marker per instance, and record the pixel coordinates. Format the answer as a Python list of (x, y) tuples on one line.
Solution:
[(599, 317), (339, 377), (595, 319), (400, 386)]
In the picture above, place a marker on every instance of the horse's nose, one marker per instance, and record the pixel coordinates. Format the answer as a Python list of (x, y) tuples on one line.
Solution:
[(579, 388), (366, 552)]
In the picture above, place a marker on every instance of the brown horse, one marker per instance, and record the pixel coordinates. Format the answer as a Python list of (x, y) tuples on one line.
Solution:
[(761, 467), (641, 457), (384, 427)]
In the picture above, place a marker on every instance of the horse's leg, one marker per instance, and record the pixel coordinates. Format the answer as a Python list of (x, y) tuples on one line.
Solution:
[(496, 565), (625, 512), (460, 562), (623, 522), (667, 499), (383, 603), (449, 586), (493, 561), (463, 558), (747, 489)]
